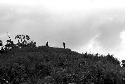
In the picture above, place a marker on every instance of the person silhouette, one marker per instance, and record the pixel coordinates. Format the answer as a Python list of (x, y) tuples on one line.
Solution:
[(47, 44), (64, 45), (1, 44)]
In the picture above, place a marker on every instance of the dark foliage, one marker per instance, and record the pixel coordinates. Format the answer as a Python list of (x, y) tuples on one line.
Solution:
[(48, 65)]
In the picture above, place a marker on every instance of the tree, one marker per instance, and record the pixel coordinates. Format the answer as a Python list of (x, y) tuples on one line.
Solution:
[(24, 41), (10, 44)]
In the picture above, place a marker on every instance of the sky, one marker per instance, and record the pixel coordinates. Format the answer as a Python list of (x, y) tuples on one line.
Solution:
[(84, 25)]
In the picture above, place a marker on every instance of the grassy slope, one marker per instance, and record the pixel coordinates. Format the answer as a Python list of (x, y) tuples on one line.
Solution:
[(60, 66)]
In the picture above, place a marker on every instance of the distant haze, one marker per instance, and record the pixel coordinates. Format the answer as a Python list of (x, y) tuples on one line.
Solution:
[(85, 25)]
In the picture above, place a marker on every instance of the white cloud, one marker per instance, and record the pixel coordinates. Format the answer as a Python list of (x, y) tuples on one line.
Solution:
[(93, 47), (94, 24), (68, 5), (119, 51)]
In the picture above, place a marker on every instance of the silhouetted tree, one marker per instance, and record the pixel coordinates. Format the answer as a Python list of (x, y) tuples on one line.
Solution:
[(22, 38), (31, 44), (10, 44), (24, 41)]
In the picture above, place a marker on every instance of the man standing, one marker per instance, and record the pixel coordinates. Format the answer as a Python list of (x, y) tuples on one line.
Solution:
[(47, 44), (64, 45), (1, 44)]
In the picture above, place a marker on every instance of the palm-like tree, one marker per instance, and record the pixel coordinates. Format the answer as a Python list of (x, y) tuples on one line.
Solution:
[(24, 40)]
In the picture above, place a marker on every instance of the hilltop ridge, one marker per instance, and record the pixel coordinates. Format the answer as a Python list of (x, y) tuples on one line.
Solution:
[(25, 63), (42, 64)]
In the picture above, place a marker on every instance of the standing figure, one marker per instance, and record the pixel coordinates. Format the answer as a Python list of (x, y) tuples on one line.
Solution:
[(47, 44), (1, 44), (64, 45)]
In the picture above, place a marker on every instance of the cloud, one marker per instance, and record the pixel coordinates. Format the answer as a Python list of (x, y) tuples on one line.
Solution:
[(42, 26), (111, 29), (93, 47), (110, 34), (119, 51), (77, 29)]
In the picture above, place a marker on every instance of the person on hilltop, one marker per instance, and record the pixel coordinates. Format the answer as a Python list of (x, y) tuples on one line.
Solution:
[(47, 44), (64, 45), (1, 43)]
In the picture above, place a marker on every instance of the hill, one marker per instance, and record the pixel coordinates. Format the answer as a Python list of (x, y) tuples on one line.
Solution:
[(50, 65)]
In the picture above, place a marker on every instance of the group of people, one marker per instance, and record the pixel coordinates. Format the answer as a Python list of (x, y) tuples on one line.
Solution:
[(47, 44)]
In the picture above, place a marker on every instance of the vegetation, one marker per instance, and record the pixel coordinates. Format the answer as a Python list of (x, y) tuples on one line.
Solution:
[(25, 63)]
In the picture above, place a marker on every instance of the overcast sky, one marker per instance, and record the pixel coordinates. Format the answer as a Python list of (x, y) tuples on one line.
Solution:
[(85, 25)]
